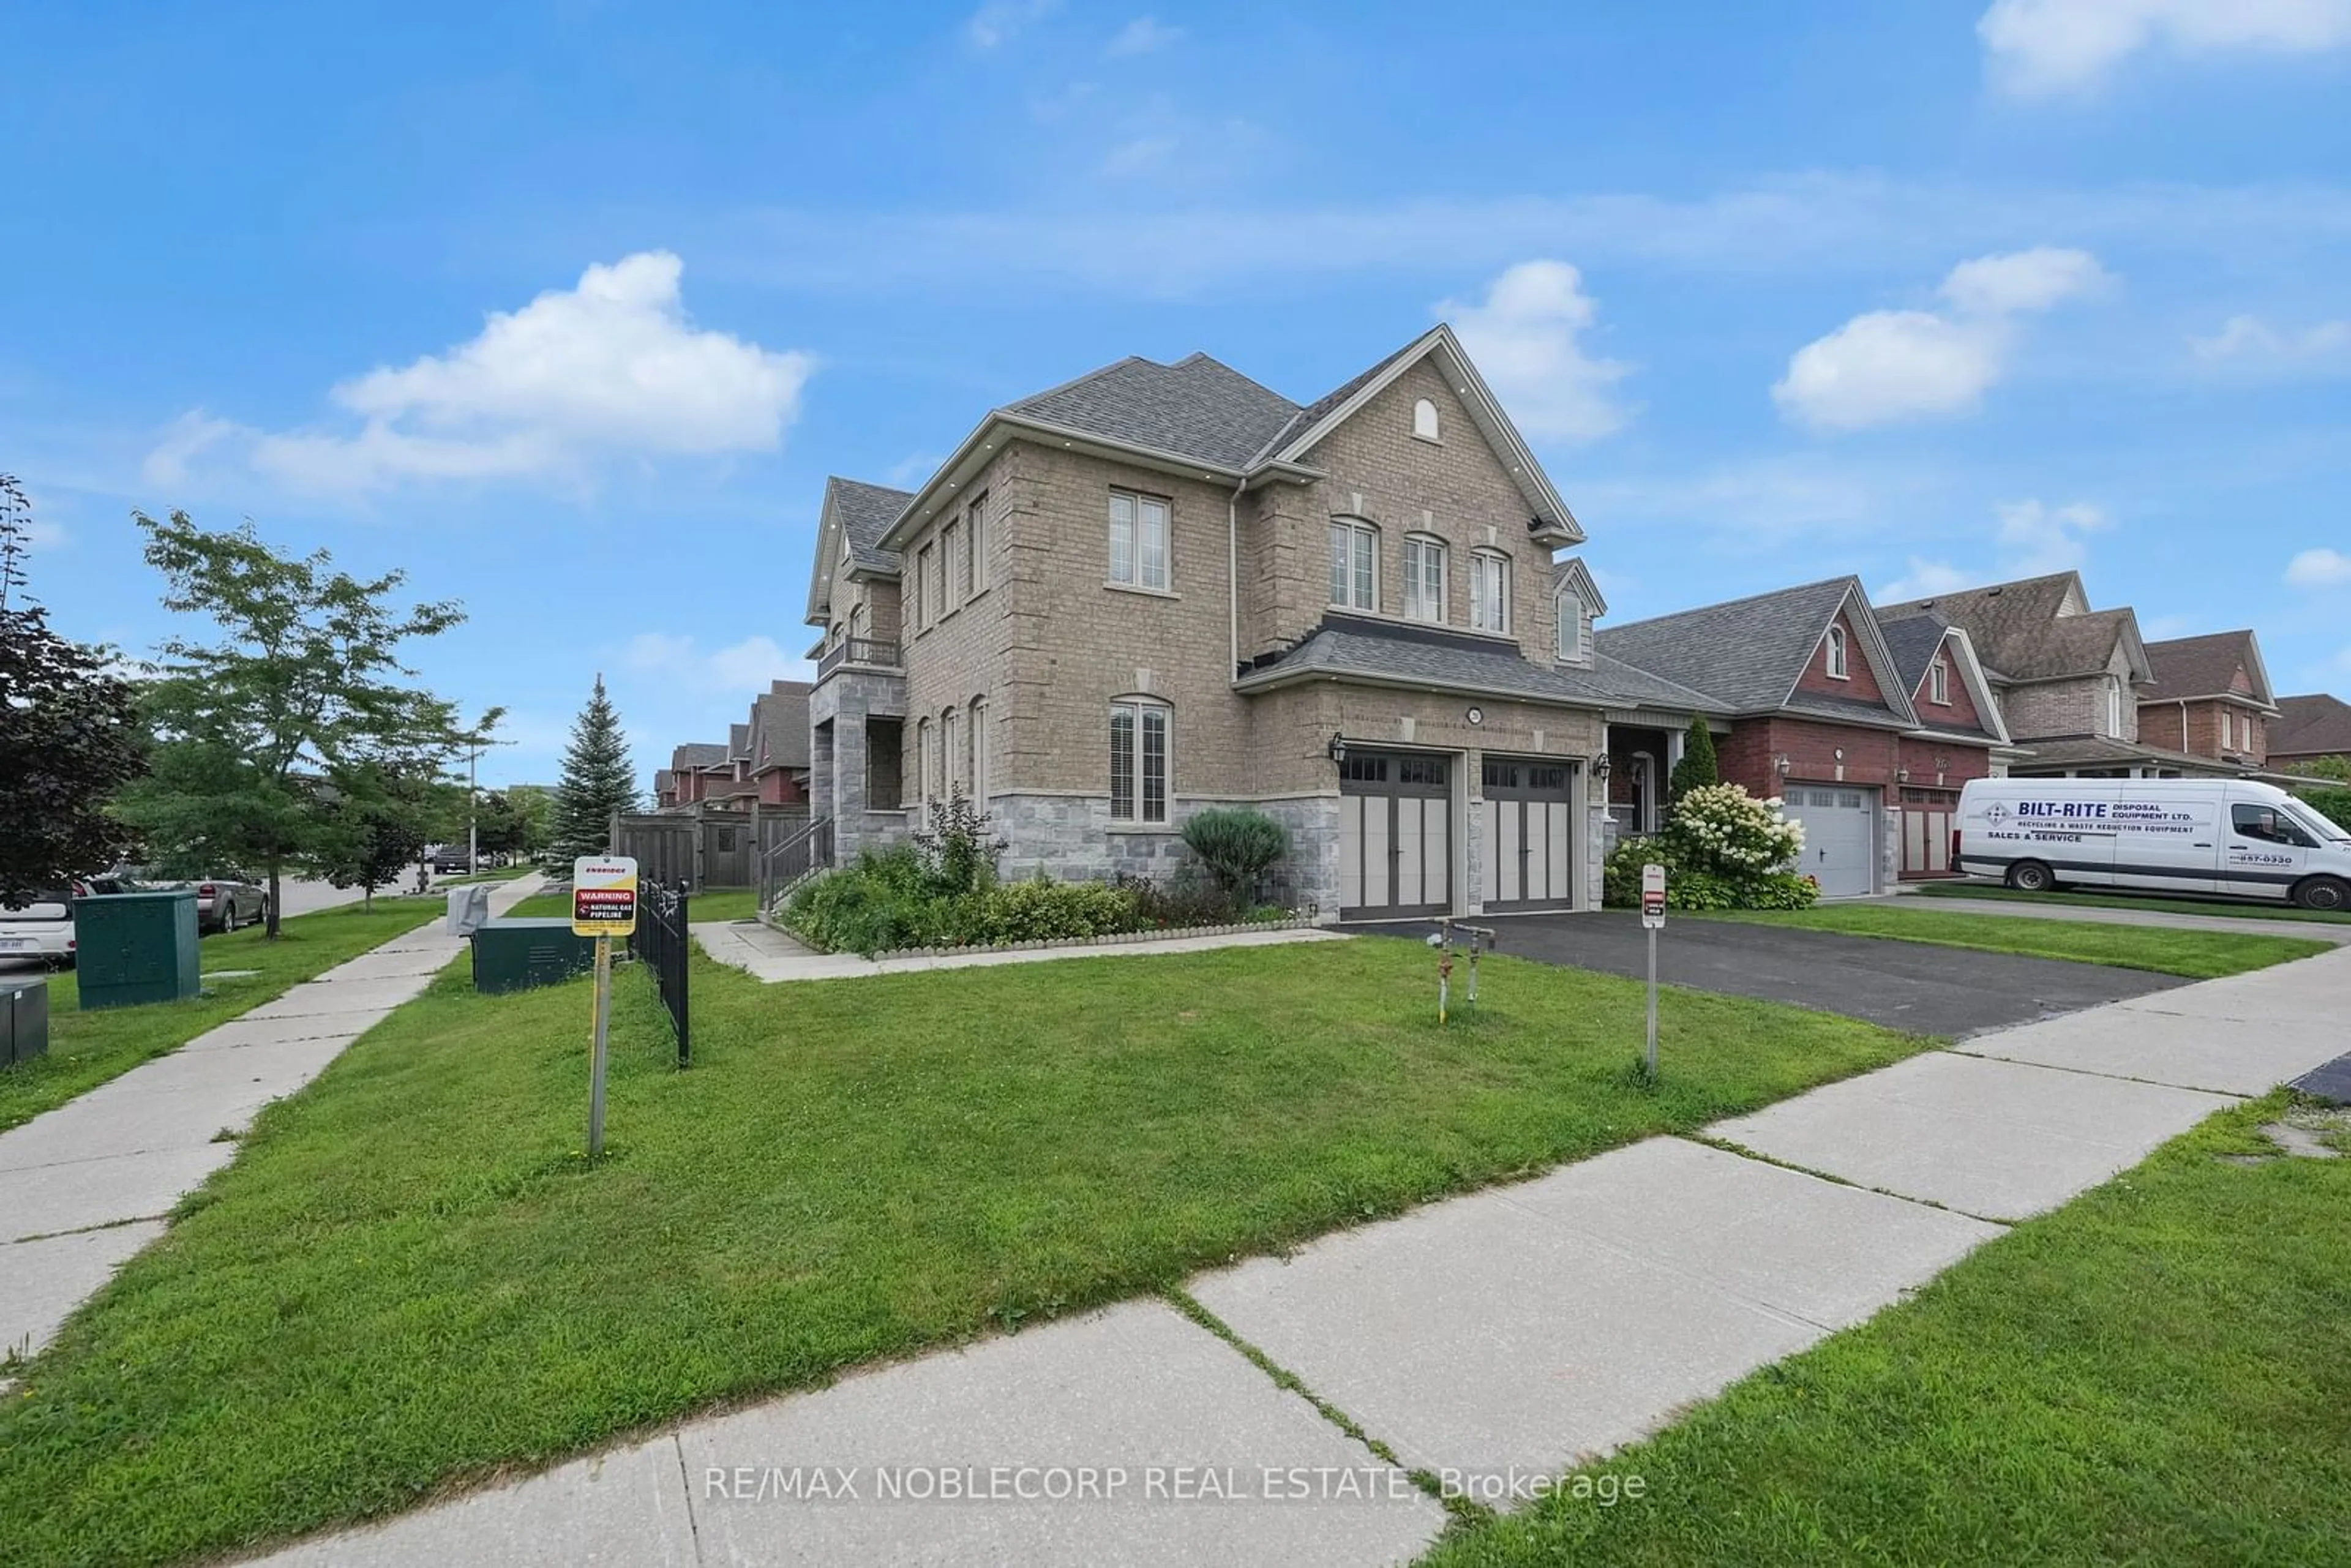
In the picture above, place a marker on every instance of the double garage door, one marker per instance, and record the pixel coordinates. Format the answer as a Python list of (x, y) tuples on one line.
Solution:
[(1395, 835), (1840, 836)]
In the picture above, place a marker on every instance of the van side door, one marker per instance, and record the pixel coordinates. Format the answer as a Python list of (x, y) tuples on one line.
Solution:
[(2264, 851), (2168, 837)]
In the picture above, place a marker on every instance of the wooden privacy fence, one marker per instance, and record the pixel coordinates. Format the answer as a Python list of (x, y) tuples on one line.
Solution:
[(701, 849)]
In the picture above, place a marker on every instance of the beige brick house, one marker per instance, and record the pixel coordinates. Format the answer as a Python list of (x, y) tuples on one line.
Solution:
[(1162, 587)]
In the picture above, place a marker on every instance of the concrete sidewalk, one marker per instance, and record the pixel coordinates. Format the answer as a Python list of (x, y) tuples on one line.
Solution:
[(774, 956), (84, 1187), (1490, 1339)]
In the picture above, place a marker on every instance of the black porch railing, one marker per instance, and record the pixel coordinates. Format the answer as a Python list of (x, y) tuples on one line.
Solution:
[(661, 944), (857, 650), (793, 861)]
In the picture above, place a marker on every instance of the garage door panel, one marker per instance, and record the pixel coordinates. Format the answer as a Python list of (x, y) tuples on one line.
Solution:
[(1529, 847), (1840, 825), (1395, 835)]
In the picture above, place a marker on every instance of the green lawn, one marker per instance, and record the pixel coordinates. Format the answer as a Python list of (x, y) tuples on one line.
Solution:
[(2224, 908), (409, 1278), (2198, 954), (718, 903), (2152, 1374), (86, 1048)]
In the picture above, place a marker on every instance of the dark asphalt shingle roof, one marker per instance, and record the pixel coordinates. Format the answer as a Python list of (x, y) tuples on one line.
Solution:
[(779, 725), (2018, 632), (1197, 407), (1746, 653), (698, 754), (1912, 640), (2094, 750), (866, 512), (2202, 666), (1343, 645), (2313, 725)]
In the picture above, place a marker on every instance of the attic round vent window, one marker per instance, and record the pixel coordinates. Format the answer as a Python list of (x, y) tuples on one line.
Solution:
[(1424, 420)]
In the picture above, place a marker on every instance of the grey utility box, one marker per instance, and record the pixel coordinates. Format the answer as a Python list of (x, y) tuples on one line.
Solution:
[(23, 1020)]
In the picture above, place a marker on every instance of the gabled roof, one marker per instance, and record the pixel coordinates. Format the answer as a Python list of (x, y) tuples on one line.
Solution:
[(662, 777), (854, 516), (1748, 653), (2207, 666), (2037, 628), (2313, 725), (1913, 641), (1197, 408), (1572, 573), (1383, 652), (738, 742), (779, 727), (697, 754), (1200, 416)]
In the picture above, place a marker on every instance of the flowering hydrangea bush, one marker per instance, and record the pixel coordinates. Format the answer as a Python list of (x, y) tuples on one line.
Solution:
[(1722, 848)]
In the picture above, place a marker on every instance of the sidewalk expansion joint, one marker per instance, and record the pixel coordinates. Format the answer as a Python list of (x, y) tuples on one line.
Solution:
[(685, 1481), (2114, 1077), (87, 1229), (1731, 1146), (1461, 1509)]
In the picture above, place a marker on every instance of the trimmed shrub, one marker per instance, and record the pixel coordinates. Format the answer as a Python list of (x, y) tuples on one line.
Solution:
[(1042, 911), (1722, 848), (1698, 768), (1237, 845)]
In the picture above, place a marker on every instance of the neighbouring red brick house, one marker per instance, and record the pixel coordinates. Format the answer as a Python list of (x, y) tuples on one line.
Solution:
[(2210, 697), (2310, 727), (1961, 734), (1821, 716), (764, 759)]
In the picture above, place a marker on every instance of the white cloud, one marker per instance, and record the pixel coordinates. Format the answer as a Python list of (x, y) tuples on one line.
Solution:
[(2037, 47), (1886, 366), (2252, 342), (613, 368), (2320, 568), (185, 439), (744, 668), (1000, 21), (1143, 36), (1524, 340), (2030, 538)]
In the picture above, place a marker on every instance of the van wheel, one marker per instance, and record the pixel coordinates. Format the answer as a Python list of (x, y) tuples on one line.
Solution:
[(2031, 876), (2331, 893)]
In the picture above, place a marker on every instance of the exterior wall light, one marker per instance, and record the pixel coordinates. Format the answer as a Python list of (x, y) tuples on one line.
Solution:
[(1600, 767), (1338, 747), (1780, 764), (1902, 776)]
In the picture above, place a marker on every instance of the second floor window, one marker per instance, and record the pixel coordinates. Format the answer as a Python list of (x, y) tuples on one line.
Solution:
[(975, 548), (1939, 684), (1355, 550), (920, 585), (950, 536), (1836, 665), (1570, 628), (1138, 539), (2114, 709), (1424, 578), (1490, 592)]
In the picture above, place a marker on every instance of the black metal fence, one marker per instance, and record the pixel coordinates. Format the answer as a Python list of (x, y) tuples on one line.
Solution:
[(661, 944)]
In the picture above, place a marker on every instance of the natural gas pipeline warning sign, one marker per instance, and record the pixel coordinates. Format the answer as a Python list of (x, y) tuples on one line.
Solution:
[(603, 896)]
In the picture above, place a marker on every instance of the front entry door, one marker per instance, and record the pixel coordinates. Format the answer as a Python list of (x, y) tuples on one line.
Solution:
[(1395, 835), (1528, 835)]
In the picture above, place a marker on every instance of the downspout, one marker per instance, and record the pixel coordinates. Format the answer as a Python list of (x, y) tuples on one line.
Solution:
[(1233, 578), (2183, 724)]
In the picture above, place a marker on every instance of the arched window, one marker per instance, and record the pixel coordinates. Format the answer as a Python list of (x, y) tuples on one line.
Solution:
[(1140, 764), (923, 760), (1490, 591), (1571, 627), (1939, 681), (1424, 577), (1355, 564), (980, 752), (1424, 420), (950, 766), (1836, 662)]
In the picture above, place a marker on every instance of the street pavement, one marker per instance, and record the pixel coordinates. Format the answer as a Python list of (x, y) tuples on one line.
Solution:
[(1490, 1339), (87, 1184)]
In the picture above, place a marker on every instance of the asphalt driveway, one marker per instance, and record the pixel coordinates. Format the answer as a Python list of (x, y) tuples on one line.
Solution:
[(1911, 986)]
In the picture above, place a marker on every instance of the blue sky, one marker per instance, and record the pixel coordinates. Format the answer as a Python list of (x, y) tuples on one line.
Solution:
[(568, 308)]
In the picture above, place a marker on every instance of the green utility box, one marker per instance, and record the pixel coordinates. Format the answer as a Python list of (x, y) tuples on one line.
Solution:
[(132, 948), (514, 954), (23, 1020)]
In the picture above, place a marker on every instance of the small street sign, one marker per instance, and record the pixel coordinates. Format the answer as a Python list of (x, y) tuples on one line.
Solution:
[(603, 896), (1653, 896)]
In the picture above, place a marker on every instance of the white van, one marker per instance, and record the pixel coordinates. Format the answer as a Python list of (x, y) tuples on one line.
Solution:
[(2171, 835)]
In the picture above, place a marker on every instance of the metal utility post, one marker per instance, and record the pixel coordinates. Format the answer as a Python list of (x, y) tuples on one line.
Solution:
[(473, 815), (596, 1054), (1652, 919), (603, 905)]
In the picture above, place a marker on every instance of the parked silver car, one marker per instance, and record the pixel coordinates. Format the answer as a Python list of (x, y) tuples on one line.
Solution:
[(224, 904)]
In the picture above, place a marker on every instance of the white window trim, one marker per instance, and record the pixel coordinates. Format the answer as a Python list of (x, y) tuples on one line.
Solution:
[(1357, 526), (1502, 561), (1839, 660), (1434, 434), (2114, 708), (1138, 705), (1138, 500), (1939, 681), (922, 760), (978, 712), (1412, 584), (2227, 742), (1567, 605), (947, 755), (975, 537)]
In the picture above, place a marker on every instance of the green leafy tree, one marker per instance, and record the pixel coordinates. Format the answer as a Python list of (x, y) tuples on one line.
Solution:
[(1698, 768), (70, 734), (304, 681), (373, 819), (598, 781), (1238, 846)]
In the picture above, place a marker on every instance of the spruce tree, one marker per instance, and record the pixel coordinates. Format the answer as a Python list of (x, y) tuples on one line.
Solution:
[(1698, 768), (598, 781)]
